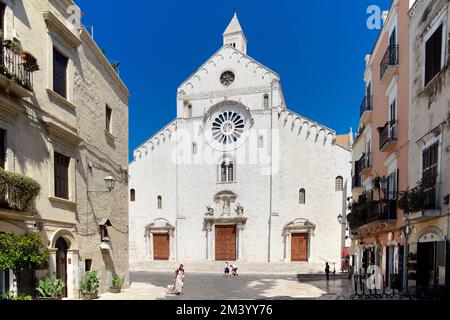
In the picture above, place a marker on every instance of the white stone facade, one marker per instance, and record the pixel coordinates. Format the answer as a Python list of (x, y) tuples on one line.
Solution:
[(277, 153), (39, 122)]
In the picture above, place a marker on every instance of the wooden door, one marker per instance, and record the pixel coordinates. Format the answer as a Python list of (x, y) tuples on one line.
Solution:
[(226, 243), (61, 262), (161, 247), (299, 247)]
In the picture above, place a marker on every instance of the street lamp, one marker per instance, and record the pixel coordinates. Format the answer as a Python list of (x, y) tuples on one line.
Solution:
[(110, 183)]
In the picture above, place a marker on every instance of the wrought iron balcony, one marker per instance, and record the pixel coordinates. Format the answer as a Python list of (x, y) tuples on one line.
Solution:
[(365, 162), (17, 67), (388, 134), (370, 212), (366, 105), (356, 181), (390, 59)]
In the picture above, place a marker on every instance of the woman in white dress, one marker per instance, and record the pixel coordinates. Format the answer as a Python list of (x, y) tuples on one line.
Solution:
[(179, 280)]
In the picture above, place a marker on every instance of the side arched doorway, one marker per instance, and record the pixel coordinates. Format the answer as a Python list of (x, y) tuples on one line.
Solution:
[(61, 262), (64, 261)]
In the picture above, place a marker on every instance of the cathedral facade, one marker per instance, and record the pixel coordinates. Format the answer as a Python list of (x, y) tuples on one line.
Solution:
[(237, 176)]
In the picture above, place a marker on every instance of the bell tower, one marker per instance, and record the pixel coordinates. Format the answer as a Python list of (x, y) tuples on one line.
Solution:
[(234, 36)]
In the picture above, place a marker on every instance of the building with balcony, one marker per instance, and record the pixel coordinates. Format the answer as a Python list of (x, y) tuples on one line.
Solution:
[(57, 91), (427, 200), (380, 151)]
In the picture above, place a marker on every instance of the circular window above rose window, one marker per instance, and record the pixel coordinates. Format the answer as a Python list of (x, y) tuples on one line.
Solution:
[(227, 126)]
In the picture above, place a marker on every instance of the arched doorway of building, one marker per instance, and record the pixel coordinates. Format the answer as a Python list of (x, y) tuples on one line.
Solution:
[(61, 262)]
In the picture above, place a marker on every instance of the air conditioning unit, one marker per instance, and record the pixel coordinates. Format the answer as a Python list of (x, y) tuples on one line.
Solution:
[(16, 35)]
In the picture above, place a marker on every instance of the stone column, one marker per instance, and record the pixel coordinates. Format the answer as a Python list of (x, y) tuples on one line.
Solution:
[(288, 246), (209, 243), (52, 260), (72, 274), (172, 245), (240, 247), (150, 245), (147, 244)]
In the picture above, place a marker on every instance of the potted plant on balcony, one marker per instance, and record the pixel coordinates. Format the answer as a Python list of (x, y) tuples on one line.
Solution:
[(50, 288), (89, 286), (30, 61), (116, 284)]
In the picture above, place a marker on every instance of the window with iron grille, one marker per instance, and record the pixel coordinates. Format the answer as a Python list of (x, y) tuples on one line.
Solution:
[(108, 112), (2, 148), (429, 175), (302, 196), (226, 172), (61, 176), (60, 63), (433, 55), (339, 184)]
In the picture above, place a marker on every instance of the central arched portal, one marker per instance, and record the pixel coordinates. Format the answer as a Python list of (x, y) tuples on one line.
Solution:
[(61, 262)]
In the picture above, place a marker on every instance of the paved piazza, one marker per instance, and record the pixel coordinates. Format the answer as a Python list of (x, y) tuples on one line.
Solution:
[(152, 286)]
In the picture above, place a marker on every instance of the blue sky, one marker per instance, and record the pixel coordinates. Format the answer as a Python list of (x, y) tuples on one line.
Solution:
[(317, 47)]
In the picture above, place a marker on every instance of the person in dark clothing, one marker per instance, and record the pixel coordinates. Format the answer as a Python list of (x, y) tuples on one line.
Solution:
[(327, 271)]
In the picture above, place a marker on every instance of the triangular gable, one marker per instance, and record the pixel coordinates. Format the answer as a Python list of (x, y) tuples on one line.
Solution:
[(243, 55)]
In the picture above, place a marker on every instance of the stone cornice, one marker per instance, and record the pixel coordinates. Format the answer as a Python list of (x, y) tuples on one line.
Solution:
[(10, 107), (86, 37), (58, 132), (59, 27)]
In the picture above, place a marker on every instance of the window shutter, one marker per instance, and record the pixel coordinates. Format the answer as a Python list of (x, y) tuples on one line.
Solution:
[(2, 148), (59, 73)]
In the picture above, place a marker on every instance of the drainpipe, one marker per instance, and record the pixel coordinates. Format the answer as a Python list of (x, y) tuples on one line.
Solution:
[(271, 177)]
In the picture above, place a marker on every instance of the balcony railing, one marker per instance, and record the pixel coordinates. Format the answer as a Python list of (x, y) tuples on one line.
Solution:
[(356, 181), (390, 59), (372, 211), (366, 105), (365, 162), (423, 197), (15, 67), (388, 133)]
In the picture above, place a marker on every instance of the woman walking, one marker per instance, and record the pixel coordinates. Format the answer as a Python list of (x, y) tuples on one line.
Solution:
[(179, 280)]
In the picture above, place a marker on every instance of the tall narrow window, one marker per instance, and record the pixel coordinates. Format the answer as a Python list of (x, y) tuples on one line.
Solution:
[(108, 112), (433, 55), (226, 172), (2, 148), (61, 176), (430, 175), (132, 195), (230, 172), (194, 148), (393, 119), (266, 101), (60, 63), (302, 196), (160, 202), (2, 19), (392, 186), (339, 184)]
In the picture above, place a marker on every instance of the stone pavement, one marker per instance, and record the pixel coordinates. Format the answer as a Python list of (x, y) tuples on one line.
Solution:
[(152, 286)]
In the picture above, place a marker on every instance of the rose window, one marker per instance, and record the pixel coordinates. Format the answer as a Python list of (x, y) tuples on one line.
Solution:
[(228, 127)]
